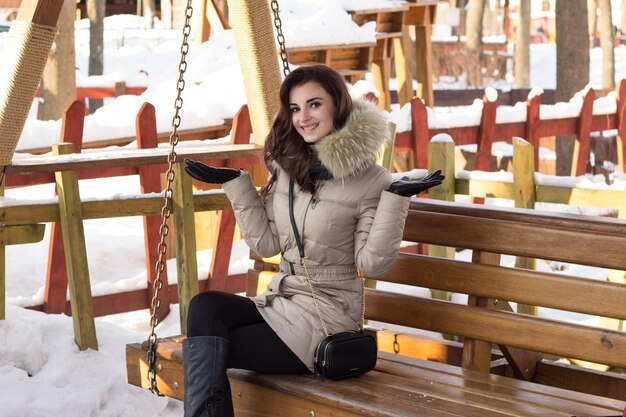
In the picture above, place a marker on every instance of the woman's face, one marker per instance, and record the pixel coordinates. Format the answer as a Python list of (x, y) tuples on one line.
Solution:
[(312, 111)]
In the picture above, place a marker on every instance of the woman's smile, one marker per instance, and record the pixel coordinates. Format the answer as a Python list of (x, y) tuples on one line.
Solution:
[(312, 111)]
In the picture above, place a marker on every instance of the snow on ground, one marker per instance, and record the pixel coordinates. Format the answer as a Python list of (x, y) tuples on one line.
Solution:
[(41, 371)]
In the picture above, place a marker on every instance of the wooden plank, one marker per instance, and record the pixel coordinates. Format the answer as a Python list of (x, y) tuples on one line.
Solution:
[(535, 395), (21, 212), (184, 225), (503, 328), (603, 250), (423, 51), (523, 286), (19, 234), (108, 159), (40, 12), (477, 353), (485, 188), (583, 131), (403, 66), (524, 184), (55, 289), (533, 108), (601, 383), (150, 182), (75, 255), (486, 133), (420, 136)]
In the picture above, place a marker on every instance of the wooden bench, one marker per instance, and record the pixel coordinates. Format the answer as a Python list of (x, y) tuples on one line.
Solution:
[(497, 369)]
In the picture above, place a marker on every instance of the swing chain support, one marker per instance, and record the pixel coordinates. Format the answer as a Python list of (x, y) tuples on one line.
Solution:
[(278, 24), (166, 211)]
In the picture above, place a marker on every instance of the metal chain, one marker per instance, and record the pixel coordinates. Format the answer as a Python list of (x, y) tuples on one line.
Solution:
[(278, 24), (317, 305), (166, 211)]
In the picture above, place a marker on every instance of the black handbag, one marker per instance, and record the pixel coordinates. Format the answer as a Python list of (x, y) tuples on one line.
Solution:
[(340, 355)]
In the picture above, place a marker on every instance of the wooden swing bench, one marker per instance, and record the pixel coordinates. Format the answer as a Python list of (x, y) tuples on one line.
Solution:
[(497, 369)]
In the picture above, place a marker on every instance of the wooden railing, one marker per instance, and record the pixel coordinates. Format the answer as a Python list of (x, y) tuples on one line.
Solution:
[(532, 129), (148, 162)]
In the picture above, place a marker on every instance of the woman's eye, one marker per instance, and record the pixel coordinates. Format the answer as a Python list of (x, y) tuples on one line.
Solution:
[(294, 109), (315, 105)]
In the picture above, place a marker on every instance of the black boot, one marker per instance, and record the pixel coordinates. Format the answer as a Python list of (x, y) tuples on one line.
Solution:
[(207, 390)]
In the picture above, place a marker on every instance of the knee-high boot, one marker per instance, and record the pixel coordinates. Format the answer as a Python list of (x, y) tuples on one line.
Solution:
[(207, 390)]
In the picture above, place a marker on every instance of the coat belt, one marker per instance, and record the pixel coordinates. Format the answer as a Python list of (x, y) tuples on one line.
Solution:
[(319, 273)]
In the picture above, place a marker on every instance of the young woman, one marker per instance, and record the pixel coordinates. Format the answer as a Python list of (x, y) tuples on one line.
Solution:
[(348, 213)]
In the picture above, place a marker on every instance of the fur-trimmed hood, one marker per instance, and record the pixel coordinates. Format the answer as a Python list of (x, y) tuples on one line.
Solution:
[(351, 149)]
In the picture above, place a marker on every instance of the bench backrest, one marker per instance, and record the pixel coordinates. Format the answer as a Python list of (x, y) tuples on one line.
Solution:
[(489, 233)]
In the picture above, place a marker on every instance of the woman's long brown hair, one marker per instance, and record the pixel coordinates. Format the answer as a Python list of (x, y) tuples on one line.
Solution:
[(283, 144)]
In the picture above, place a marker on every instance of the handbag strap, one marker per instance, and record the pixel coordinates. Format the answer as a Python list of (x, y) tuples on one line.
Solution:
[(306, 269)]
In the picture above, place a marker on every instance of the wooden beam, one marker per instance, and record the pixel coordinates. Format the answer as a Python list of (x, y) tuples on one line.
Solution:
[(41, 12), (150, 182), (184, 225), (75, 255)]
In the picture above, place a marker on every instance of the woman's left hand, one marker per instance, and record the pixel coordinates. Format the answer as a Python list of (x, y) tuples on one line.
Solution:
[(407, 187)]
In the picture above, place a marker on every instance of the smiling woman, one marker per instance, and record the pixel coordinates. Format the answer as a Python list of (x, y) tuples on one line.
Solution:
[(321, 153)]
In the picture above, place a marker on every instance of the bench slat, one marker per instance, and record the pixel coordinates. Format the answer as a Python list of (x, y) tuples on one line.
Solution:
[(533, 393), (604, 250), (501, 327), (519, 285), (575, 222)]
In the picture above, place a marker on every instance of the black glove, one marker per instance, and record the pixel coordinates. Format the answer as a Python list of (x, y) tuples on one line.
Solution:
[(209, 174), (408, 187)]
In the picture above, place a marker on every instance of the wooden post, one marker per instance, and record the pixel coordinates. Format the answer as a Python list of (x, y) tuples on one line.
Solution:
[(621, 124), (533, 107), (150, 182), (441, 156), (55, 290), (381, 71), (224, 233), (185, 226), (419, 133), (71, 216), (477, 353), (402, 64), (28, 45), (486, 133), (423, 55), (524, 186), (583, 134)]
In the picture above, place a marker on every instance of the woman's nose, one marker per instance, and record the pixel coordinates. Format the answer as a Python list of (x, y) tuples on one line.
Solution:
[(304, 114)]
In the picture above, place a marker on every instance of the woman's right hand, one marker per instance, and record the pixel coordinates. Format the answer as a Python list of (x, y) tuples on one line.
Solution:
[(209, 174)]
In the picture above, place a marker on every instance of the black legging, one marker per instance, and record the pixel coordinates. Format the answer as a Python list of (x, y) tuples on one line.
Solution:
[(253, 343)]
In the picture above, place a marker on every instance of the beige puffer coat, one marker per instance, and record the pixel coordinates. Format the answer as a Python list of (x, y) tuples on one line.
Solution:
[(351, 222)]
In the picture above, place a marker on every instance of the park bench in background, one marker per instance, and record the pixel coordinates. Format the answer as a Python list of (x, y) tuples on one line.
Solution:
[(516, 379)]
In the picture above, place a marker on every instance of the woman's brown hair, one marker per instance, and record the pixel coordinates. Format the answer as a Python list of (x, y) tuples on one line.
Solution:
[(283, 144)]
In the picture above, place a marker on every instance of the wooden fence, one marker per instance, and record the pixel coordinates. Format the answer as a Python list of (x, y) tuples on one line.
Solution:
[(148, 163), (534, 128)]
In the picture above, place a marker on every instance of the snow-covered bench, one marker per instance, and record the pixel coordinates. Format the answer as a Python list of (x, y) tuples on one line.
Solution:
[(426, 375)]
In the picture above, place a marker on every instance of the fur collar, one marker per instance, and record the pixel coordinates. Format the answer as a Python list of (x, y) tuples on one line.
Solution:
[(352, 149)]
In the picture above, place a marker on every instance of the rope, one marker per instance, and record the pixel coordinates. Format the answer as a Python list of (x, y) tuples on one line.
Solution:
[(28, 47), (257, 53)]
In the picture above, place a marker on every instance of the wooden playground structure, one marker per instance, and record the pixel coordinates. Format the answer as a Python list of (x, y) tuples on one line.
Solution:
[(503, 363)]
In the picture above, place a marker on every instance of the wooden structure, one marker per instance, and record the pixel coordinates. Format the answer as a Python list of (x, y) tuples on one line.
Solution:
[(420, 376), (148, 163), (352, 60), (532, 129), (393, 42)]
